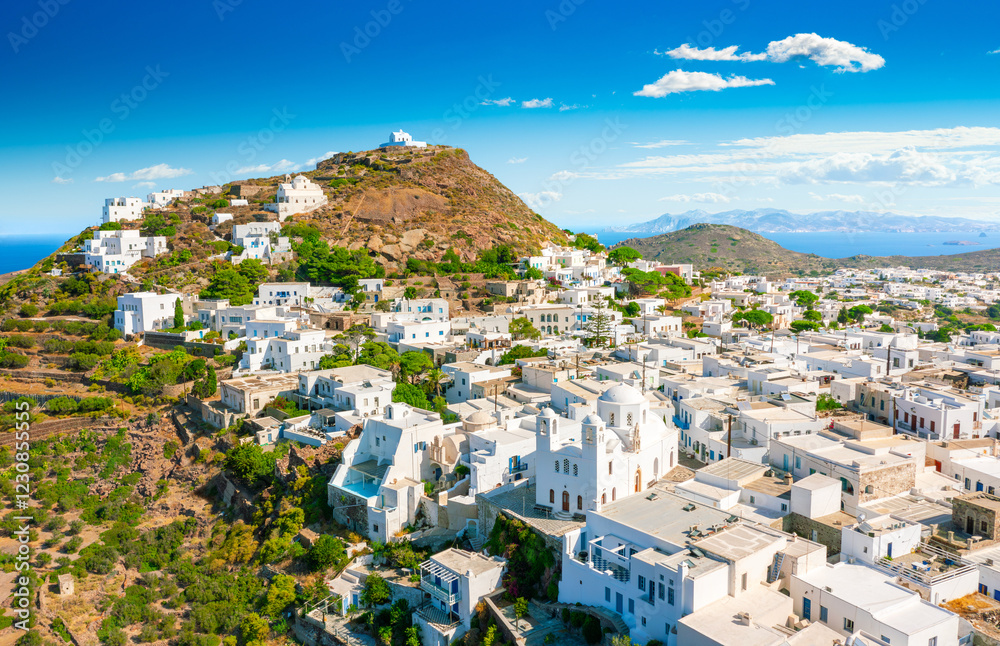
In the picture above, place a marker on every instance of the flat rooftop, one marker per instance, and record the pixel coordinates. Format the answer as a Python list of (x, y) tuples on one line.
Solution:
[(733, 469), (663, 514), (738, 542), (461, 561)]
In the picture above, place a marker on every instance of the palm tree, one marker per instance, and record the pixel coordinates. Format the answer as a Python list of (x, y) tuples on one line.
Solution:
[(433, 380)]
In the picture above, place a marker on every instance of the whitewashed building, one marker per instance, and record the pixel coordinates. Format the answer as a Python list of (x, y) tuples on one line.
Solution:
[(403, 139), (123, 208), (293, 351), (145, 312), (299, 195), (455, 581), (113, 252), (160, 199)]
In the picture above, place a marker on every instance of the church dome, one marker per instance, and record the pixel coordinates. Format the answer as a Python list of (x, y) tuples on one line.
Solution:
[(480, 418), (622, 394), (592, 420), (548, 412)]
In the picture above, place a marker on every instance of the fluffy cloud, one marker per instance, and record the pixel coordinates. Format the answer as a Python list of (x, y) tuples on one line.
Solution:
[(144, 185), (576, 106), (517, 160), (687, 52), (540, 200), (995, 51), (160, 171), (315, 160), (701, 198), (283, 166), (62, 180), (681, 81), (500, 102), (907, 166), (844, 56), (828, 52), (537, 103), (663, 143), (875, 141)]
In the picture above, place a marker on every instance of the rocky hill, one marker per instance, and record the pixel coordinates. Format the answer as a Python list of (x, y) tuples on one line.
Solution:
[(770, 220), (722, 246)]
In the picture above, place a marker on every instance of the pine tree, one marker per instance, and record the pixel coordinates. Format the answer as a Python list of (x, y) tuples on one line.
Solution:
[(598, 326), (178, 314)]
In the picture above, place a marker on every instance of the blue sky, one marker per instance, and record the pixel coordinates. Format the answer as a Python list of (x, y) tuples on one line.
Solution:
[(597, 113)]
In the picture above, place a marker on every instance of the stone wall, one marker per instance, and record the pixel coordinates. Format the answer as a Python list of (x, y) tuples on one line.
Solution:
[(804, 526), (887, 482), (981, 508)]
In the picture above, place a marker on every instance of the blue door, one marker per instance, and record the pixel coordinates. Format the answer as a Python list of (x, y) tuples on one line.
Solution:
[(618, 603), (784, 462), (807, 609), (979, 486), (889, 550)]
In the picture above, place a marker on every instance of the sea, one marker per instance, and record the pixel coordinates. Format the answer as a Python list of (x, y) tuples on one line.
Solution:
[(844, 245), (23, 251)]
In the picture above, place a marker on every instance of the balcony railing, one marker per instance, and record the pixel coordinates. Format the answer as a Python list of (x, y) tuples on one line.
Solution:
[(681, 424), (438, 592)]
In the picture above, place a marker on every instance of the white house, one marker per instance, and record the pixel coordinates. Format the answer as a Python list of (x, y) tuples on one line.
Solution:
[(293, 351), (260, 241), (123, 208), (400, 138), (376, 490), (145, 312), (464, 373), (160, 199), (455, 581), (857, 598), (219, 218), (620, 450), (365, 391), (290, 294), (300, 195), (113, 252), (499, 454)]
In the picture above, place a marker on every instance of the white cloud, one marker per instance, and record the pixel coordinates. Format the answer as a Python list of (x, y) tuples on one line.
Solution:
[(681, 81), (875, 141), (563, 176), (62, 180), (500, 102), (995, 51), (160, 171), (517, 160), (315, 160), (828, 52), (537, 103), (687, 52), (282, 166), (576, 106), (663, 143), (540, 200), (824, 51), (144, 185), (838, 197), (702, 198), (906, 165)]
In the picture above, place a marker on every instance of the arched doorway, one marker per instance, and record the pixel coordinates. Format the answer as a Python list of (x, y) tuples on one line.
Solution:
[(638, 480), (565, 501)]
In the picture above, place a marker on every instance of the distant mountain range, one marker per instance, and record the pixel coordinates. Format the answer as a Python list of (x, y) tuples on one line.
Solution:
[(781, 221)]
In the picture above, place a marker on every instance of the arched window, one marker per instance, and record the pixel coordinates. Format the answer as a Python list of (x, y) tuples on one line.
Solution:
[(557, 466), (869, 489), (576, 470), (846, 487), (612, 494), (656, 468), (604, 498), (579, 502), (643, 417), (610, 469), (638, 480), (628, 419), (552, 496), (565, 466), (611, 419)]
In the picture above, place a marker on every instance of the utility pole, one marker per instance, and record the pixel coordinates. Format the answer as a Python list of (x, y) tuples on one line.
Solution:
[(729, 437)]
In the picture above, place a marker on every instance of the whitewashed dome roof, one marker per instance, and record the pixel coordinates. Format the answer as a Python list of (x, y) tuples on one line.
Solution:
[(622, 394), (480, 417)]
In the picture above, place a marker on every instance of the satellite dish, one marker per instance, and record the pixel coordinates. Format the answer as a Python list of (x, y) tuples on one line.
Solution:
[(861, 517)]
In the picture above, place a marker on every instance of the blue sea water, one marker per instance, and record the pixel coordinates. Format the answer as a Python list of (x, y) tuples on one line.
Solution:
[(843, 245), (23, 251)]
